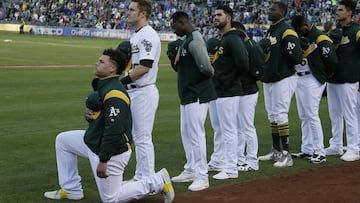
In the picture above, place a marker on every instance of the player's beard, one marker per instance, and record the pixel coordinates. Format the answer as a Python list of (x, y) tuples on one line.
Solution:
[(220, 25)]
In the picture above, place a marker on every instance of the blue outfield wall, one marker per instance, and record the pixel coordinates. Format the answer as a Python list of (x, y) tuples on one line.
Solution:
[(80, 32), (92, 32)]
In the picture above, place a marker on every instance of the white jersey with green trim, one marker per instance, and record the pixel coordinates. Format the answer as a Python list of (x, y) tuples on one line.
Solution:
[(145, 44)]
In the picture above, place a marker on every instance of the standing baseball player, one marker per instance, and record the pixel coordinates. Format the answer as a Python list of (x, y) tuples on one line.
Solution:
[(319, 64), (196, 89), (247, 137), (140, 82), (282, 47), (342, 87), (106, 142), (216, 162), (230, 61)]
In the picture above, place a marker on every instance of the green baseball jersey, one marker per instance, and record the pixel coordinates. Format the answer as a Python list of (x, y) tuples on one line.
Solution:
[(248, 82), (348, 53), (283, 53), (194, 71), (321, 55), (230, 61), (109, 132)]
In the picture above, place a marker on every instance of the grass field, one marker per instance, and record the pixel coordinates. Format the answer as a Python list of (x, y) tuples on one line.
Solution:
[(43, 83)]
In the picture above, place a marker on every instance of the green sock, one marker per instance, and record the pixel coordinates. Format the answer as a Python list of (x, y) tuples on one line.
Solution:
[(276, 141), (285, 142)]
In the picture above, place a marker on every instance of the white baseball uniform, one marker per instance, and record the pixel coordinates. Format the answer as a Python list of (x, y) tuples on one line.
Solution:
[(358, 113), (69, 145), (277, 96), (144, 95), (193, 138), (227, 110), (308, 94), (342, 101), (217, 157), (247, 137)]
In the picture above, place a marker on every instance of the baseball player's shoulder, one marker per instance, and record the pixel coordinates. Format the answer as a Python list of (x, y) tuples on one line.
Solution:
[(149, 32)]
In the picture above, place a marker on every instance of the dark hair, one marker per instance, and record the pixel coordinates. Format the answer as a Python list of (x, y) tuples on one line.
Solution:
[(179, 15), (238, 25), (117, 57), (227, 10), (282, 6), (298, 21), (144, 5), (349, 5)]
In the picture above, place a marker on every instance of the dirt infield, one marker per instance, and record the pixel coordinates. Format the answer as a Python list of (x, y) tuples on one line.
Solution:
[(338, 183)]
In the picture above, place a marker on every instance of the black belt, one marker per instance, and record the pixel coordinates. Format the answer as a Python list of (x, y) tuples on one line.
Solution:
[(128, 87), (303, 73)]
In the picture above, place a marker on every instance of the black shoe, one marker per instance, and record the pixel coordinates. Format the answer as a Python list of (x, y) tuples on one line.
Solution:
[(317, 159), (301, 155)]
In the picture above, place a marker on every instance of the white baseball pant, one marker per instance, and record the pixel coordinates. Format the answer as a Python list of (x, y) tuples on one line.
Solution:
[(247, 137), (144, 103), (71, 144), (227, 111), (217, 156), (308, 95), (192, 121), (342, 101), (358, 114), (277, 96)]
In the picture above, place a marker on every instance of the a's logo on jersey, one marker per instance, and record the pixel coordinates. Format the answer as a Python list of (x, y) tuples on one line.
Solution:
[(290, 47), (147, 44), (273, 40), (325, 51), (345, 40), (114, 112), (217, 54)]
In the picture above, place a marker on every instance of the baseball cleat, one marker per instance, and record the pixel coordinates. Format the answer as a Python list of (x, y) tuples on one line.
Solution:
[(317, 159), (350, 156), (301, 155), (284, 161), (224, 175), (168, 190), (61, 194), (272, 155), (333, 151), (199, 184), (214, 168), (183, 177), (245, 167)]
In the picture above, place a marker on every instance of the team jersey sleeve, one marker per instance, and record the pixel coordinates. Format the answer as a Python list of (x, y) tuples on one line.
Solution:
[(197, 48), (239, 53), (148, 48), (357, 38), (117, 111), (291, 45), (328, 54)]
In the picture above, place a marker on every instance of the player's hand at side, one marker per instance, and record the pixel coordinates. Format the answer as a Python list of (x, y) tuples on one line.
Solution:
[(88, 114), (101, 170)]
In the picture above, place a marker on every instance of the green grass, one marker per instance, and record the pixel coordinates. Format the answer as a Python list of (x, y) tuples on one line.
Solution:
[(39, 102)]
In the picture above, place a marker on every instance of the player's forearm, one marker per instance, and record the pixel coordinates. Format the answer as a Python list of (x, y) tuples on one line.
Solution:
[(138, 72)]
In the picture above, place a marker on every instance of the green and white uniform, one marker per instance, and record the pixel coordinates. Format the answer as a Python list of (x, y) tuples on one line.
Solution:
[(196, 90), (342, 91), (318, 65), (230, 62), (282, 54)]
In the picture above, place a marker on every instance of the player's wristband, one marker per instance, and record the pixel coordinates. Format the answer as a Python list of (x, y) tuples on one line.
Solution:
[(126, 80)]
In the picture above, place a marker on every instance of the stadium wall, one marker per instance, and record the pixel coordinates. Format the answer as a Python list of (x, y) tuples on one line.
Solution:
[(79, 32)]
